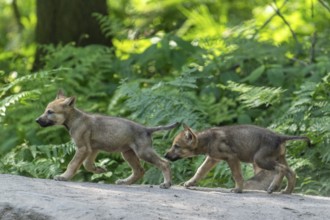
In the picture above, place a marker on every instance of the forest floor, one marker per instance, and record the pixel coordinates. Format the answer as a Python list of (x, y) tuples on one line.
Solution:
[(29, 198)]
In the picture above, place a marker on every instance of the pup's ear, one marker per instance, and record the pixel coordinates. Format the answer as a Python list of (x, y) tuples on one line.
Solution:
[(70, 101), (189, 135), (186, 127), (60, 94)]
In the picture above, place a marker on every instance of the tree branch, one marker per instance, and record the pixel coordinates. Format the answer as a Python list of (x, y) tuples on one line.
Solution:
[(325, 4), (278, 12), (312, 53), (313, 39), (268, 20)]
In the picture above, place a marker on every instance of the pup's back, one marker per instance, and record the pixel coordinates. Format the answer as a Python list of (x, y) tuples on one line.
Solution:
[(246, 140)]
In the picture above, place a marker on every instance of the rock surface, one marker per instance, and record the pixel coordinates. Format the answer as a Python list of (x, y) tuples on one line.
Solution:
[(28, 198)]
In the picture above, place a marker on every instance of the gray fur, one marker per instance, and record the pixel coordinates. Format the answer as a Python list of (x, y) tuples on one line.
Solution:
[(234, 144), (93, 133)]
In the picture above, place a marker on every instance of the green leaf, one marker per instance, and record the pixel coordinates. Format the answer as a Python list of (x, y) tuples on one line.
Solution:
[(276, 76), (255, 74)]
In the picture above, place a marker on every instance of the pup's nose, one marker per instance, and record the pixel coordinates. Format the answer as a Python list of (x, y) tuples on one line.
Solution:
[(167, 156), (170, 157), (38, 120)]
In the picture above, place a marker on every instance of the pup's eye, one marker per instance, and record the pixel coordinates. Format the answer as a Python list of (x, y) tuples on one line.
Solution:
[(50, 112), (176, 146)]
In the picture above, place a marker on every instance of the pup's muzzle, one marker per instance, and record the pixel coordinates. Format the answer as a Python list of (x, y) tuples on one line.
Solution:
[(171, 157), (44, 123)]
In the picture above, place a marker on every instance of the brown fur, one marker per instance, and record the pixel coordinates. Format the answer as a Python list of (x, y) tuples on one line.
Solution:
[(235, 144), (94, 133)]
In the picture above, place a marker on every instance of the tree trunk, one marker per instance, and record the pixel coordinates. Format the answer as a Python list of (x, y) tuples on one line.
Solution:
[(64, 21)]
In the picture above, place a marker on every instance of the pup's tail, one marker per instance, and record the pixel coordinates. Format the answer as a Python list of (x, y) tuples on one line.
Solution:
[(160, 128), (288, 138)]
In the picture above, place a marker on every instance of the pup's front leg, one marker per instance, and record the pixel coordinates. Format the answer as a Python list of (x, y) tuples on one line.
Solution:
[(235, 167), (74, 165), (206, 166)]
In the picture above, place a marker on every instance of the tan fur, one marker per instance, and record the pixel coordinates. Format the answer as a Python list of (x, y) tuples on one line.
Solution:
[(235, 144), (94, 133)]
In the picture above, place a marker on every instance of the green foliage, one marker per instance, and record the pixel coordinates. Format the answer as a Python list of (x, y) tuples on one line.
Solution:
[(206, 63), (43, 161), (156, 102), (310, 111), (253, 97)]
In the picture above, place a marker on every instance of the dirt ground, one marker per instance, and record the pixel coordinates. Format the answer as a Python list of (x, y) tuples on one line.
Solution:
[(28, 198)]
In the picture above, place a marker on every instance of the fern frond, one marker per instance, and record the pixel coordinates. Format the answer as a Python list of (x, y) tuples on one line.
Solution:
[(28, 78), (13, 99), (252, 96), (159, 102)]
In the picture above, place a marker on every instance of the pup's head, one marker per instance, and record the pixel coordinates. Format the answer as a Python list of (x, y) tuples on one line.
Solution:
[(184, 145), (57, 111)]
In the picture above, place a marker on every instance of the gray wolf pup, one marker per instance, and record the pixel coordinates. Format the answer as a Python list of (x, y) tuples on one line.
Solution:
[(93, 133), (235, 144)]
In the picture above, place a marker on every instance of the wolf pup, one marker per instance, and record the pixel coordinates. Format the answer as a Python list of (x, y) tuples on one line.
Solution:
[(235, 144), (94, 133)]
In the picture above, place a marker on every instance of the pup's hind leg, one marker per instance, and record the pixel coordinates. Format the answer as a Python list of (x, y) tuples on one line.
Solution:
[(89, 163), (150, 156), (267, 161), (270, 164), (137, 170), (289, 174)]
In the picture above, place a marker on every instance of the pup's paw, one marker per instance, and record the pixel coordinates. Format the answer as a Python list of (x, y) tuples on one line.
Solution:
[(271, 189), (236, 190), (127, 181), (165, 185), (189, 183), (286, 192), (60, 178), (121, 182)]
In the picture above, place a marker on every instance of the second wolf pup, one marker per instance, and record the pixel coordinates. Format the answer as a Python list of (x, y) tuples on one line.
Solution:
[(235, 144), (93, 133)]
